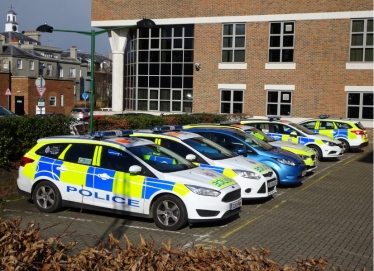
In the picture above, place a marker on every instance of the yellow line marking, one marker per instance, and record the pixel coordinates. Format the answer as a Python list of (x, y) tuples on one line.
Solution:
[(282, 202)]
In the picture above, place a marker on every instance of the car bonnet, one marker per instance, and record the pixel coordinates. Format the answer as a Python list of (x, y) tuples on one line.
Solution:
[(242, 163)]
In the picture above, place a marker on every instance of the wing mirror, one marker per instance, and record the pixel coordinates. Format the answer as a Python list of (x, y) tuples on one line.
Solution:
[(293, 133), (191, 157), (135, 170), (242, 151)]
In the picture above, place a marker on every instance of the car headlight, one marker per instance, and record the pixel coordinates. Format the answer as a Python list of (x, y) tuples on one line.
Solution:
[(203, 191), (286, 161), (303, 157), (248, 174), (328, 143)]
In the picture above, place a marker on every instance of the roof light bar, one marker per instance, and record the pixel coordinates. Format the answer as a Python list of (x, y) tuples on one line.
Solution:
[(166, 128), (229, 122), (323, 116), (101, 134), (271, 118)]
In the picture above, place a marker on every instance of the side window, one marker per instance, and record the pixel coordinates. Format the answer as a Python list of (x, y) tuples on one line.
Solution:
[(52, 150), (326, 125), (228, 142), (80, 153), (278, 128), (263, 127), (117, 160), (342, 125), (176, 147), (309, 125)]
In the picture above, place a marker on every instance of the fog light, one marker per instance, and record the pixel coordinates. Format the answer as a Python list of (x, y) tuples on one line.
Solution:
[(248, 190)]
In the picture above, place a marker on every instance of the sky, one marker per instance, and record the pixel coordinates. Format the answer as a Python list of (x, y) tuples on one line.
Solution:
[(60, 14)]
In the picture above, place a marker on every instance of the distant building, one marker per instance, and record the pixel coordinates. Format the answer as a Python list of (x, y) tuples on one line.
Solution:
[(297, 59), (23, 59)]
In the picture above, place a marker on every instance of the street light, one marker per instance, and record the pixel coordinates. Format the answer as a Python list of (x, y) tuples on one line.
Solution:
[(144, 23)]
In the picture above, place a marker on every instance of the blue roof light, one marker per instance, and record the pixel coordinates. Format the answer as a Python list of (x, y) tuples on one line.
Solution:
[(323, 116), (101, 134), (166, 128), (271, 118)]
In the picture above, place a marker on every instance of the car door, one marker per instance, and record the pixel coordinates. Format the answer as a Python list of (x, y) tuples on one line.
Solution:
[(327, 128), (114, 186), (76, 172), (284, 132)]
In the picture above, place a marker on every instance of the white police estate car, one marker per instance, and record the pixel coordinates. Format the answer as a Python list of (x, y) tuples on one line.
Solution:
[(111, 172), (255, 179)]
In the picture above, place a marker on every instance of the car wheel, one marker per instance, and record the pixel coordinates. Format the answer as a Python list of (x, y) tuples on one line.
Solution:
[(317, 150), (169, 213), (345, 144), (47, 197)]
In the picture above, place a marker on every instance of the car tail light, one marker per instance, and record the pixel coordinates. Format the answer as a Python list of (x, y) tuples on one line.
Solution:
[(358, 132), (25, 160)]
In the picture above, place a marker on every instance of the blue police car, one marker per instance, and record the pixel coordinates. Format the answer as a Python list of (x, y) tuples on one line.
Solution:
[(289, 167)]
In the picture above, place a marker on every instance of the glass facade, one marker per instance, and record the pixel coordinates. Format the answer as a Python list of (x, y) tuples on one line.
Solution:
[(159, 69)]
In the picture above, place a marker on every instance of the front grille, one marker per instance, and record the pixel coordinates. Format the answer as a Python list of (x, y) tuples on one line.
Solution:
[(231, 212), (269, 174), (231, 196), (271, 188)]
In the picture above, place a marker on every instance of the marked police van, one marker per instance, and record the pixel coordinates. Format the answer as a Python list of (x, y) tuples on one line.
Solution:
[(256, 180), (111, 172)]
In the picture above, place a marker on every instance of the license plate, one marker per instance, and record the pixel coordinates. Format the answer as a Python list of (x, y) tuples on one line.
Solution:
[(303, 173), (272, 183), (235, 204)]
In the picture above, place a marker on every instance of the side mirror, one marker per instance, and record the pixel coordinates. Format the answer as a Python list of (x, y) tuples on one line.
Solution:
[(293, 133), (191, 157), (135, 170), (242, 151)]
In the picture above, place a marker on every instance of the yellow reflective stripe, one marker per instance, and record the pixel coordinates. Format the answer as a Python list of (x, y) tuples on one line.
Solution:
[(229, 173), (180, 189), (158, 141), (97, 156), (62, 155), (127, 185), (30, 169), (75, 173)]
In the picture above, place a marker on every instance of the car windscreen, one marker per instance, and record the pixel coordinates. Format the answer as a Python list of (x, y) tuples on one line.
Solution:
[(209, 148), (301, 128), (254, 141), (160, 158)]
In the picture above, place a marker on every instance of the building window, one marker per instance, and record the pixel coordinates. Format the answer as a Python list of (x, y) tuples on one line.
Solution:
[(60, 72), (281, 42), (19, 64), (72, 72), (279, 103), (52, 101), (49, 69), (31, 65), (361, 41), (232, 101), (62, 100), (360, 105), (233, 43)]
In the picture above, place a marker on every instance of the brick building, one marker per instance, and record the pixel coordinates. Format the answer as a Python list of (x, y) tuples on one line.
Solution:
[(297, 59)]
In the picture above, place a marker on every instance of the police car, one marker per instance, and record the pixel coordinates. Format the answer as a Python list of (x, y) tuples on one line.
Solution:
[(109, 171), (285, 130), (306, 154), (352, 134), (255, 179)]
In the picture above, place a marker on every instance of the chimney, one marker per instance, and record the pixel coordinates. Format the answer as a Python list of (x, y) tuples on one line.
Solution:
[(32, 34), (73, 52), (1, 44)]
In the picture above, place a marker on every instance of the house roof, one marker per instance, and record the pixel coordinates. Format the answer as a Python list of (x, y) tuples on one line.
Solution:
[(19, 36), (86, 57)]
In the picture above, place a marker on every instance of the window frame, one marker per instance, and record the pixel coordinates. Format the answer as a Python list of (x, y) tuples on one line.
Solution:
[(360, 105), (279, 102), (72, 73), (49, 69), (52, 101), (233, 48), (19, 64), (281, 46), (364, 46), (31, 65), (231, 102)]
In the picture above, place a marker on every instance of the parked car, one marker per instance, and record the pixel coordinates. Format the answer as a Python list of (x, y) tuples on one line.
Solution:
[(284, 130), (112, 172), (351, 133), (80, 113), (255, 179), (6, 113), (290, 169), (306, 154)]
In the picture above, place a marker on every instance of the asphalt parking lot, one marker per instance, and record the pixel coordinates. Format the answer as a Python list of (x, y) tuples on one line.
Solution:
[(329, 216)]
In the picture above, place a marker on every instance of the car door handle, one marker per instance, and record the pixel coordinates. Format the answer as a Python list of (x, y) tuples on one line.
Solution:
[(103, 176), (61, 168)]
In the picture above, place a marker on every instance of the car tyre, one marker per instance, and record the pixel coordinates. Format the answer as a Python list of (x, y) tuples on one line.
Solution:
[(317, 151), (345, 144), (47, 197), (169, 213)]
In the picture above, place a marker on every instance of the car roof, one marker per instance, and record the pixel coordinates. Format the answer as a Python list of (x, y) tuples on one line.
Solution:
[(182, 135), (121, 141), (331, 119)]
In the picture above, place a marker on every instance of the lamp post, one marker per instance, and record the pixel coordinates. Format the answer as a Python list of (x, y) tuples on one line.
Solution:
[(144, 23)]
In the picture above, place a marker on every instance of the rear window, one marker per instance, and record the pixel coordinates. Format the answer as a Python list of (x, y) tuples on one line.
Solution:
[(343, 125), (76, 110), (359, 125)]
